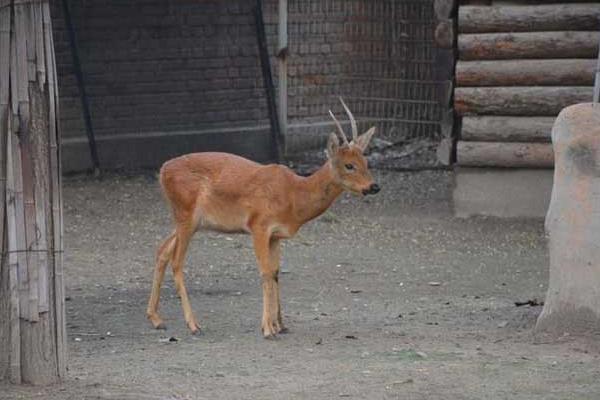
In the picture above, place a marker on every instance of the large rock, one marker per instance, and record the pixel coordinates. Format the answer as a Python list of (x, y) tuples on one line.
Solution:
[(573, 224)]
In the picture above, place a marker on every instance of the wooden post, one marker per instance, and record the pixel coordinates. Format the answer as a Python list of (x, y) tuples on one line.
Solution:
[(32, 324), (445, 57)]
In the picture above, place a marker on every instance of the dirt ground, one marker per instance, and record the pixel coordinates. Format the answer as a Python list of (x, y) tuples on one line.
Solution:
[(360, 294)]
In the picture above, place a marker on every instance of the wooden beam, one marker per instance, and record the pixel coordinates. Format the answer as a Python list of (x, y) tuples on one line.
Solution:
[(529, 18), (557, 72), (531, 100), (495, 46), (511, 155), (506, 129)]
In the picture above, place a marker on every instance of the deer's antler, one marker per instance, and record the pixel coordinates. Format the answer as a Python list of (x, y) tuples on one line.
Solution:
[(352, 121), (340, 129)]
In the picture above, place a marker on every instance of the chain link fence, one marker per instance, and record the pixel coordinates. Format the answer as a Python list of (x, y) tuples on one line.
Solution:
[(379, 56)]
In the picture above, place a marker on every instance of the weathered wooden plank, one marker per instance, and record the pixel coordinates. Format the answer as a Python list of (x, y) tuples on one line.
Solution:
[(38, 147), (557, 72), (30, 42), (8, 241), (55, 193), (15, 170), (509, 155), (534, 100), (492, 46), (40, 58), (27, 68), (13, 261), (506, 129), (529, 18)]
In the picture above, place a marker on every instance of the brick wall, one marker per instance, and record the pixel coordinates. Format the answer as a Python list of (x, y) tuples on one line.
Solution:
[(163, 78)]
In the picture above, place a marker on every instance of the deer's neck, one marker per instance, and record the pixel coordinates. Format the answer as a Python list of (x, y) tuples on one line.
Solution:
[(316, 193)]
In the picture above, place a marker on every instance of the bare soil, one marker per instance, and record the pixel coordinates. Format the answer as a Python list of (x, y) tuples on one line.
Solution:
[(386, 297)]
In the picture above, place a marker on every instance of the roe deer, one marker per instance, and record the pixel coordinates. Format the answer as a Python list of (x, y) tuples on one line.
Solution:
[(228, 193)]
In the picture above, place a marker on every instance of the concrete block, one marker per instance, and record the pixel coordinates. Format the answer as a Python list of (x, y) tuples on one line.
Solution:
[(502, 192)]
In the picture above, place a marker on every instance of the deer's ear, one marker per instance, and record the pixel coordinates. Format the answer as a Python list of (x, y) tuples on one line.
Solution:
[(333, 145), (363, 140)]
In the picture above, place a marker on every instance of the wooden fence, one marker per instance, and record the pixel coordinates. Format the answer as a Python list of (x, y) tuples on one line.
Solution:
[(32, 326)]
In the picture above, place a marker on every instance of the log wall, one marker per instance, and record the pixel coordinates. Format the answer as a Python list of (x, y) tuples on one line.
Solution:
[(519, 64)]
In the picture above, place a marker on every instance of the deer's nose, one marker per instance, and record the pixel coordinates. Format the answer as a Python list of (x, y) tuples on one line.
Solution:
[(374, 188)]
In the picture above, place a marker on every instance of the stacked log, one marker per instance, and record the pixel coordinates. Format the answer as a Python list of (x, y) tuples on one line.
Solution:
[(518, 65)]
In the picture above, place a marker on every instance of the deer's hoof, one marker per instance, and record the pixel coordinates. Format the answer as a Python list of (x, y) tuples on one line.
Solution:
[(270, 336), (156, 322), (271, 329), (194, 328)]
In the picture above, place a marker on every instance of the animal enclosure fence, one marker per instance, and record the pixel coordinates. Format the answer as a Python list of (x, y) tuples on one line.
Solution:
[(175, 78), (378, 55)]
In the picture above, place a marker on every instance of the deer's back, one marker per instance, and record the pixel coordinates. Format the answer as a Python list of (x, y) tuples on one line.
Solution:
[(224, 191)]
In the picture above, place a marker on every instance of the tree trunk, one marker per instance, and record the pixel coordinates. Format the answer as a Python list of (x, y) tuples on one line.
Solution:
[(32, 326), (506, 129), (496, 46), (565, 72), (573, 221), (534, 100), (548, 17), (513, 155)]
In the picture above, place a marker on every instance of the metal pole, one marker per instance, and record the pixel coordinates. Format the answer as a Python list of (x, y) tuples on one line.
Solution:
[(282, 53), (85, 107), (268, 80), (597, 78)]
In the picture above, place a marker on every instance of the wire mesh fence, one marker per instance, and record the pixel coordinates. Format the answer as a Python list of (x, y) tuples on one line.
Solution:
[(377, 54)]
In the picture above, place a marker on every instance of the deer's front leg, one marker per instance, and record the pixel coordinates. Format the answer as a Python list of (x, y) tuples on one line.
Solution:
[(275, 253), (269, 274)]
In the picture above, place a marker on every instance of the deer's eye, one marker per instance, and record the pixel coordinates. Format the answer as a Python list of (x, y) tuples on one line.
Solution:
[(349, 167)]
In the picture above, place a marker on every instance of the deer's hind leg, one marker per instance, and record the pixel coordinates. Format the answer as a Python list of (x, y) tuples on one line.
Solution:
[(184, 234), (163, 256)]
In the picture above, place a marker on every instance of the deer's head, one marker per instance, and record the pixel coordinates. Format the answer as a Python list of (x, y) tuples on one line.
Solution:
[(349, 165)]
